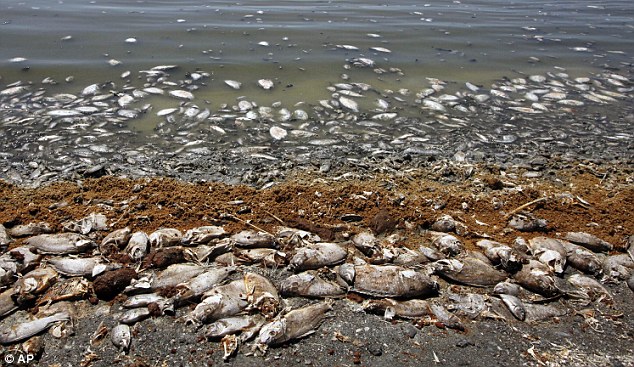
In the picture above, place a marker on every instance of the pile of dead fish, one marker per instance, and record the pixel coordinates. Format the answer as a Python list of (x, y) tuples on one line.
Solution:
[(92, 129), (150, 275), (221, 274)]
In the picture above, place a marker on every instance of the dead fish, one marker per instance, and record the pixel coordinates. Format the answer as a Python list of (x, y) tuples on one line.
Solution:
[(247, 326), (539, 244), (181, 94), (407, 257), (389, 308), (387, 281), (138, 246), (553, 259), (445, 317), (618, 267), (311, 285), (445, 223), (222, 301), (317, 255), (266, 256), (366, 242), (514, 305), (591, 287), (582, 259), (176, 274), (589, 241), (508, 258), (536, 277), (19, 260), (265, 84), (507, 287), (6, 302), (143, 300), (469, 304), (26, 330), (469, 271), (93, 222), (74, 267), (34, 283), (201, 283), (66, 290), (134, 315), (525, 223), (115, 241), (60, 244), (31, 229), (121, 336), (296, 324), (204, 252), (447, 244), (233, 84), (164, 237), (539, 312), (253, 239), (202, 235), (431, 254)]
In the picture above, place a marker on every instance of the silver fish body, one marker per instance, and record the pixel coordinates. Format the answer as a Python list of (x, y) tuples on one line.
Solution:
[(253, 239), (115, 241), (202, 283), (247, 326), (60, 244), (138, 246), (388, 281), (470, 271), (202, 235), (74, 267), (514, 305), (447, 244), (310, 284), (589, 241), (164, 237), (28, 329), (121, 337), (294, 325), (389, 308), (317, 255), (176, 274)]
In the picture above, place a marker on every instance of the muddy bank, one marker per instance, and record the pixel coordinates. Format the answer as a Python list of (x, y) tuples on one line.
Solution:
[(404, 206)]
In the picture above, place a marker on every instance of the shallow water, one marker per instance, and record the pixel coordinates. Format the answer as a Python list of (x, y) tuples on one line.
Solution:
[(305, 48)]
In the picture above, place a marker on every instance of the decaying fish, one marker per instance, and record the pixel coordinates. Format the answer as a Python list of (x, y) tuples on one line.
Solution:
[(143, 300), (26, 330), (164, 237), (310, 284), (66, 290), (292, 237), (210, 252), (30, 229), (366, 242), (60, 244), (176, 274), (222, 301), (389, 308), (138, 245), (618, 266), (268, 257), (121, 336), (445, 317), (540, 244), (253, 239), (387, 281), (469, 304), (431, 254), (470, 271), (447, 244), (134, 315), (536, 277), (589, 241), (553, 259), (6, 302), (74, 267), (507, 287), (115, 241), (499, 254), (202, 235), (539, 312), (93, 222), (515, 305), (34, 283), (201, 283), (247, 326), (317, 255), (295, 324), (582, 259), (446, 223), (407, 257), (591, 287), (524, 223)]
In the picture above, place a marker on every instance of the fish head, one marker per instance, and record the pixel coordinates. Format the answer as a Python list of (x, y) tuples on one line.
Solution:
[(272, 332)]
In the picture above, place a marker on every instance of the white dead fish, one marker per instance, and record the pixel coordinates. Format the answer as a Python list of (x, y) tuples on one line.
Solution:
[(514, 305), (366, 242), (537, 277), (266, 84), (176, 274), (134, 315), (317, 255), (34, 283), (539, 312), (233, 84), (277, 132), (181, 94), (30, 229), (26, 330), (387, 281), (93, 222), (447, 244), (253, 239), (202, 235), (143, 300), (349, 104), (591, 287), (247, 326), (201, 283), (582, 259), (74, 267), (115, 241), (296, 324), (311, 285), (121, 336), (381, 49), (60, 244), (164, 237), (222, 301), (618, 266), (138, 245)]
